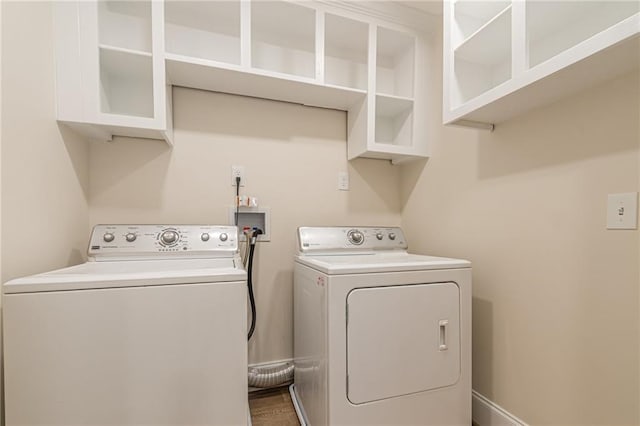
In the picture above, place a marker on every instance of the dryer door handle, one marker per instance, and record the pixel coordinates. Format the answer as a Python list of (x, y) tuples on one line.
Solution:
[(443, 325)]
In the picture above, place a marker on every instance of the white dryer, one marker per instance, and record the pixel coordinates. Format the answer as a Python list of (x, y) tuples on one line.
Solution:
[(382, 337), (152, 330)]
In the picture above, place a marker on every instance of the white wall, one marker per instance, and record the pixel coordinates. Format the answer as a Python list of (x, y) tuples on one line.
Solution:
[(555, 294), (292, 155)]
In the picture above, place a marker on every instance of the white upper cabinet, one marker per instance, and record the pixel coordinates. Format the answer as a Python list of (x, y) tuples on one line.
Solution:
[(110, 76), (114, 68), (502, 58)]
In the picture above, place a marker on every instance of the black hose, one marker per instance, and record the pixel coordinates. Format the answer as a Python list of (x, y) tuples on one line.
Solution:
[(252, 300)]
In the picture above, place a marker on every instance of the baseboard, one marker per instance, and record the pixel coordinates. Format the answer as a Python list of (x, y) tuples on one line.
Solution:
[(488, 413)]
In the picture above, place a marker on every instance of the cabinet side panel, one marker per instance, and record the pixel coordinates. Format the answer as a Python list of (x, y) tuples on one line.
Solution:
[(67, 61)]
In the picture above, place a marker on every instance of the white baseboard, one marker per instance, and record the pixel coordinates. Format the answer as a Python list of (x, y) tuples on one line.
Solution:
[(488, 413)]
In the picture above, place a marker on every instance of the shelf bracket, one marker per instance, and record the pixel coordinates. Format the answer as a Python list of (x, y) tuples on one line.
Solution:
[(475, 124)]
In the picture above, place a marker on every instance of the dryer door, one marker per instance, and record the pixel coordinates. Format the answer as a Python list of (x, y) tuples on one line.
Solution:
[(402, 340)]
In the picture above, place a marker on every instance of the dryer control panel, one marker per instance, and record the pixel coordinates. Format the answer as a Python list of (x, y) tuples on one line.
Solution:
[(340, 239), (140, 242)]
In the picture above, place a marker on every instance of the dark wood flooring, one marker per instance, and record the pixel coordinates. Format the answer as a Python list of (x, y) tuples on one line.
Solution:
[(272, 407)]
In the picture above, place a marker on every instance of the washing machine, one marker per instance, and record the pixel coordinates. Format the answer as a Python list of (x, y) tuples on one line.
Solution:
[(151, 330), (381, 336)]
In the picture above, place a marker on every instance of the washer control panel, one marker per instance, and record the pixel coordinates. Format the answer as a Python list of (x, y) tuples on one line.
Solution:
[(110, 242), (344, 238)]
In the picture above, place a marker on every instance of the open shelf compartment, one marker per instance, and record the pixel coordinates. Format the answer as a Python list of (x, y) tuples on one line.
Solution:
[(346, 51), (395, 62), (471, 15), (484, 60), (554, 27), (126, 83), (283, 45), (394, 120), (205, 30), (125, 24)]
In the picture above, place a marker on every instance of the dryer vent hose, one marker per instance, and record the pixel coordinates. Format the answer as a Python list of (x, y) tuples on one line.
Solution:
[(273, 375)]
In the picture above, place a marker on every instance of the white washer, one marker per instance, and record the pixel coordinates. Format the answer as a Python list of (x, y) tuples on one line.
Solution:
[(152, 330), (382, 337)]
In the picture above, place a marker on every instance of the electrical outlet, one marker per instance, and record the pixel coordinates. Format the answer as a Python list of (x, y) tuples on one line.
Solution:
[(622, 211), (238, 171)]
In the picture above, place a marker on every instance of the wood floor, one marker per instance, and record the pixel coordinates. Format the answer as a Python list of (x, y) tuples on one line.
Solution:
[(272, 407)]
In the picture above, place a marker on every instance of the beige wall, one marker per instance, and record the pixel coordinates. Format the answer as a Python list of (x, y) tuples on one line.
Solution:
[(44, 167), (44, 180), (556, 295), (292, 155)]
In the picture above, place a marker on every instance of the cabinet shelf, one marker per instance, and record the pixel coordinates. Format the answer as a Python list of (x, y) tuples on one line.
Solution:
[(200, 74)]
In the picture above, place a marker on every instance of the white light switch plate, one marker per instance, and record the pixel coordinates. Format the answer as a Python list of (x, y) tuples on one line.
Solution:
[(622, 211), (343, 181)]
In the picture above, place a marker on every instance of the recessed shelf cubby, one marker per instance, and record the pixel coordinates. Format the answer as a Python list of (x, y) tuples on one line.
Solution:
[(283, 38), (394, 120), (204, 30), (126, 83), (395, 62), (346, 52)]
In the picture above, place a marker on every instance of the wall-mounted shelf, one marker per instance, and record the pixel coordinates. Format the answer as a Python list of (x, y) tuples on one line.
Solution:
[(504, 58), (299, 52)]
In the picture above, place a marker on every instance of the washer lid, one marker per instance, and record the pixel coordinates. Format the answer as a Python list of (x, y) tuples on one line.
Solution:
[(94, 275), (389, 261)]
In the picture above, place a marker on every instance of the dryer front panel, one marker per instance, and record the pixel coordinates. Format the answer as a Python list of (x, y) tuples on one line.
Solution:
[(402, 340)]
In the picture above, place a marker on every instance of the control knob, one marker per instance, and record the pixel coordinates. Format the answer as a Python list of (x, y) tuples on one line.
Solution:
[(130, 237), (392, 236), (108, 237), (224, 237), (204, 237), (169, 237), (355, 237), (379, 236)]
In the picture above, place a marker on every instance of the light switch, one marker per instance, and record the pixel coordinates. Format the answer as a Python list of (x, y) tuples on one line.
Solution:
[(622, 211), (343, 181)]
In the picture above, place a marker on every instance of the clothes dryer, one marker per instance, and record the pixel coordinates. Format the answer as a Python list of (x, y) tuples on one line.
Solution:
[(382, 336)]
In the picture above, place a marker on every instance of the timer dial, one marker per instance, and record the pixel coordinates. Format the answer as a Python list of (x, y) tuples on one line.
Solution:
[(355, 237), (169, 237)]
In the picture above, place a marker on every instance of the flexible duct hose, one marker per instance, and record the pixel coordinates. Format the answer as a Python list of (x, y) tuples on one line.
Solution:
[(266, 377)]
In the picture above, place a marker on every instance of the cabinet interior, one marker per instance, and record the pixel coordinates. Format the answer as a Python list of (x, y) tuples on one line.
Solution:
[(394, 120), (395, 61), (283, 45), (125, 24), (205, 30), (346, 52), (483, 61), (553, 27), (470, 16), (126, 83)]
